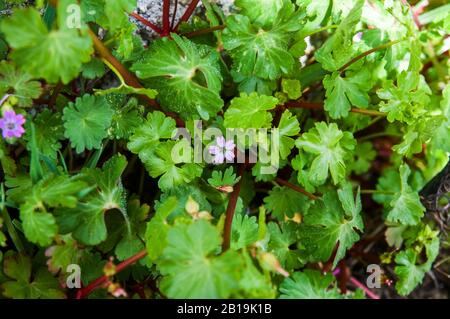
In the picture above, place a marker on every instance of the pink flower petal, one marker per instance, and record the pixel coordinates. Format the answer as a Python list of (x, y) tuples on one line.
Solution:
[(9, 115), (8, 133), (2, 124), (20, 119), (229, 155), (218, 159), (229, 145), (220, 141), (214, 150)]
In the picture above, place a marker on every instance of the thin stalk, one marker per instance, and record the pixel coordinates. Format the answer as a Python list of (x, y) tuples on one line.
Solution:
[(333, 26), (375, 191), (146, 22), (174, 14), (320, 106), (367, 112), (358, 284), (364, 54), (375, 135), (84, 292), (297, 189), (375, 120), (429, 50), (11, 229), (231, 210), (166, 18), (187, 14), (55, 94), (203, 31), (129, 78)]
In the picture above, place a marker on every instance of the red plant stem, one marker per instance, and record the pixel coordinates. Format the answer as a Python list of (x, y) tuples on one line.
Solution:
[(187, 14), (364, 54), (129, 77), (329, 264), (146, 22), (54, 96), (343, 276), (84, 292), (166, 18), (230, 211), (297, 188), (358, 284)]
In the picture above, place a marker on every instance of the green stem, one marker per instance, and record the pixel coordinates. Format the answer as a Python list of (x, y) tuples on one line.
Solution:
[(429, 50), (375, 120), (374, 191), (10, 227), (203, 31), (375, 135), (333, 26)]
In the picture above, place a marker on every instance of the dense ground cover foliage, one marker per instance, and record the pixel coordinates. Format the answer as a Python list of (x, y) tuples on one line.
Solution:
[(120, 176)]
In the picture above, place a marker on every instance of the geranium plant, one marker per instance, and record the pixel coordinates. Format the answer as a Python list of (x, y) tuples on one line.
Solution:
[(275, 150)]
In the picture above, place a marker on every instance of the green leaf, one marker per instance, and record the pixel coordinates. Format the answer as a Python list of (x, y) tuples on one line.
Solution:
[(251, 83), (63, 254), (343, 93), (127, 116), (338, 49), (116, 12), (48, 132), (8, 164), (172, 171), (334, 219), (299, 164), (406, 207), (405, 101), (22, 286), (261, 14), (244, 231), (18, 84), (186, 76), (86, 122), (292, 88), (281, 243), (262, 52), (440, 139), (250, 111), (158, 227), (124, 88), (227, 178), (53, 55), (190, 266), (288, 128), (50, 192), (364, 155), (309, 284), (147, 135), (284, 201), (253, 283), (418, 134), (132, 234), (331, 147), (409, 273), (86, 221)]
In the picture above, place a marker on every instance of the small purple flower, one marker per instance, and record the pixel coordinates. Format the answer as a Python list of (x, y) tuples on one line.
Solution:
[(223, 150), (11, 124), (358, 37)]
